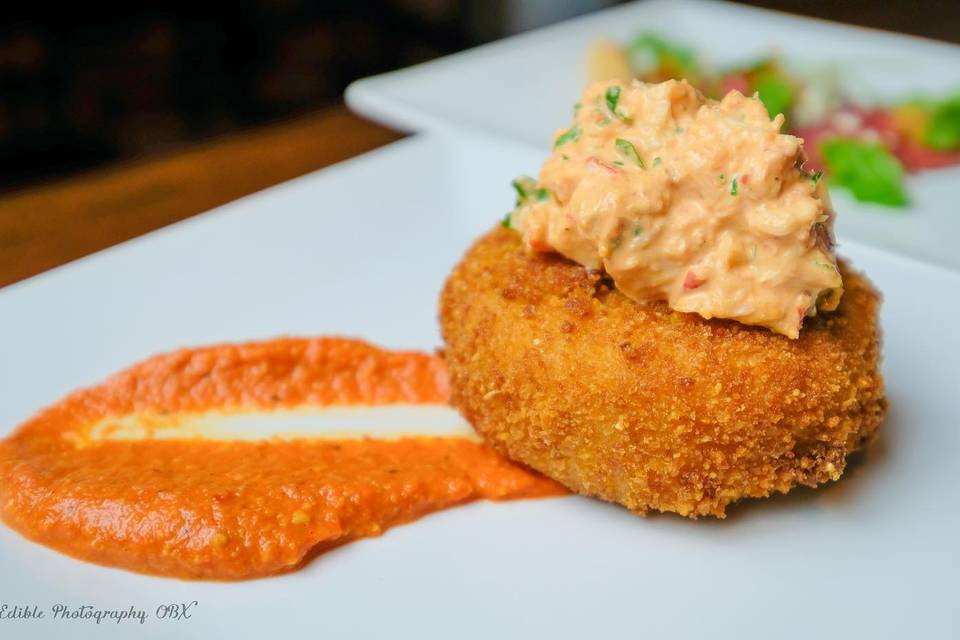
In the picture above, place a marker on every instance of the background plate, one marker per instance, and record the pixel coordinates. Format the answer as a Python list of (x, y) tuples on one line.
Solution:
[(523, 88), (874, 555)]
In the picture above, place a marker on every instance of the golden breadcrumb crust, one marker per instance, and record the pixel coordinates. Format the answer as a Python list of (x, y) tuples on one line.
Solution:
[(648, 407)]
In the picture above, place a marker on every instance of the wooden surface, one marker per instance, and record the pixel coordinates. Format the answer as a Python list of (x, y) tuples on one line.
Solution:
[(46, 226)]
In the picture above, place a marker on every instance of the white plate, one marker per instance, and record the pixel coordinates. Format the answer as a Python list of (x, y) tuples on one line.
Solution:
[(524, 88), (362, 249)]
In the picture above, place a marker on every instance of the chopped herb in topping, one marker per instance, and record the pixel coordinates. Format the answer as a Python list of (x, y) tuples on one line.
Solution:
[(604, 122), (526, 188), (723, 178), (733, 186), (628, 151), (753, 251), (825, 266), (520, 185), (637, 231), (679, 130), (613, 97), (570, 135), (816, 176), (619, 163), (576, 107), (657, 161), (564, 156)]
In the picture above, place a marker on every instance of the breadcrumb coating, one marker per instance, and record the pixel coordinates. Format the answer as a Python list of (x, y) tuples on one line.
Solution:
[(647, 407)]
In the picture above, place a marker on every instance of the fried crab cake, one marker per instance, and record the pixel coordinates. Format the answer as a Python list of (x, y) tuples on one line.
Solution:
[(648, 407)]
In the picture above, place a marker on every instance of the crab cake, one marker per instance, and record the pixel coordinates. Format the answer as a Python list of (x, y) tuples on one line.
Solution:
[(649, 407)]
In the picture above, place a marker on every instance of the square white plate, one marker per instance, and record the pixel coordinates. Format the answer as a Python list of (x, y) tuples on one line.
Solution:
[(524, 87), (362, 249)]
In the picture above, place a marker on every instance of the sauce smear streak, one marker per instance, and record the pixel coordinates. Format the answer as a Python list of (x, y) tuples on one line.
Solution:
[(230, 510)]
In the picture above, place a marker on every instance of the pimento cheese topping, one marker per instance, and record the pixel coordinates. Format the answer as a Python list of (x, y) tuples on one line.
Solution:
[(700, 203)]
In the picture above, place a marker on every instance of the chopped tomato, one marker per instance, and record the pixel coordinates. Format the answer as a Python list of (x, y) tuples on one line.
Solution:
[(691, 281)]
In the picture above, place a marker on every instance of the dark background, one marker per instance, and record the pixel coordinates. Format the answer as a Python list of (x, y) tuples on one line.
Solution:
[(84, 85)]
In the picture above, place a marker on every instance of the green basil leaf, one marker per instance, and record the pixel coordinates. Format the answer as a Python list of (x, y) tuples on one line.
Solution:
[(867, 169), (650, 50), (775, 92), (943, 129)]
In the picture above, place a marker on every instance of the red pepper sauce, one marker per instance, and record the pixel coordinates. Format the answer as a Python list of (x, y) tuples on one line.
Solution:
[(230, 510)]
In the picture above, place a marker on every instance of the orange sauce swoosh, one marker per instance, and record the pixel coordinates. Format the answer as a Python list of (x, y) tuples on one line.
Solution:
[(230, 510)]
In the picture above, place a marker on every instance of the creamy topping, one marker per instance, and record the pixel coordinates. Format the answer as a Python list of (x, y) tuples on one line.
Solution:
[(699, 203)]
